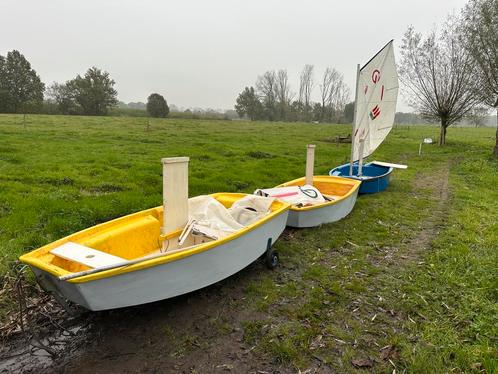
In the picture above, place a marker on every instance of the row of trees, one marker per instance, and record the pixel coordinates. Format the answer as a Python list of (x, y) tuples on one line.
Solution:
[(446, 75), (21, 91), (454, 73), (272, 98)]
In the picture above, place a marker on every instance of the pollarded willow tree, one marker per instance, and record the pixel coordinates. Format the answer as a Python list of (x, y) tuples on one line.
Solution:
[(438, 75), (480, 32)]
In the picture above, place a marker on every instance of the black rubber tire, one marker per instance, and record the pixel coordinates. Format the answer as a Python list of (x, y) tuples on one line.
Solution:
[(272, 259)]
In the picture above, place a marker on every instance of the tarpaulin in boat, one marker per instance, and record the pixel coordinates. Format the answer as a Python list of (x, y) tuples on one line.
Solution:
[(214, 220)]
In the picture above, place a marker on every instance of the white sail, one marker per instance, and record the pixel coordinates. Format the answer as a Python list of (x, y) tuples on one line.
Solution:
[(377, 93)]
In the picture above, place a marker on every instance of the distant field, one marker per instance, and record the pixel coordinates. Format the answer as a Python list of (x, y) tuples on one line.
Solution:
[(404, 270)]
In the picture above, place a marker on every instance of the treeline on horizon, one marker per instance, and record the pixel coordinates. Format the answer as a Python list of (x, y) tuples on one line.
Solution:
[(273, 99), (93, 94), (22, 91)]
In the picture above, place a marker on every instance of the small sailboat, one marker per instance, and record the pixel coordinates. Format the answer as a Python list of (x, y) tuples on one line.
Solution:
[(159, 253), (375, 107), (315, 199)]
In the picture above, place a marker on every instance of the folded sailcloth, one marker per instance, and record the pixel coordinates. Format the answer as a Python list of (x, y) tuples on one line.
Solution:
[(212, 217)]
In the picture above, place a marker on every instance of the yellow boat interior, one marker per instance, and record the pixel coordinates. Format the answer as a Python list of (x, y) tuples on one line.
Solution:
[(333, 188), (135, 236)]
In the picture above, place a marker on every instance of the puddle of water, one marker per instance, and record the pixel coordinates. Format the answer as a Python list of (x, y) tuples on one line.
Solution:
[(22, 356)]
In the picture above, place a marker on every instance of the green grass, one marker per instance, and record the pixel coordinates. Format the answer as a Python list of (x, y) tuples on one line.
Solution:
[(461, 327), (344, 291)]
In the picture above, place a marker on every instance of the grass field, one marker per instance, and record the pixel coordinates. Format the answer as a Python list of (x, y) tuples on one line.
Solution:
[(408, 281)]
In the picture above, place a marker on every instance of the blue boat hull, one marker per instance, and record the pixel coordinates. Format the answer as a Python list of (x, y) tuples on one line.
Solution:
[(375, 178)]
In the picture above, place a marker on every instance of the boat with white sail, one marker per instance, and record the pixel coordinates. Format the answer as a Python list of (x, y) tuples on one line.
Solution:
[(375, 108)]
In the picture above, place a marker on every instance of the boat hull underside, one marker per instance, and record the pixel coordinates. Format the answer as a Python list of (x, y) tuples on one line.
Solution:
[(169, 279)]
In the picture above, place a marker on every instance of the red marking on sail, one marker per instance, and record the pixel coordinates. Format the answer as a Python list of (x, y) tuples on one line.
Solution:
[(375, 112), (382, 93), (375, 76)]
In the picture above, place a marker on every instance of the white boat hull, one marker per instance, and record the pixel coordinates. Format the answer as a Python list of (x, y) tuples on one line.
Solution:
[(169, 279), (326, 214)]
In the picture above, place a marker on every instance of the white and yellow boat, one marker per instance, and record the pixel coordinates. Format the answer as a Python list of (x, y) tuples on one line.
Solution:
[(315, 200), (340, 195), (157, 253), (146, 273)]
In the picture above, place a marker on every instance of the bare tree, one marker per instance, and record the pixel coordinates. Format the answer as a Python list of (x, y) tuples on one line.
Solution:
[(438, 76), (283, 93), (334, 94), (339, 97), (266, 88), (329, 77), (480, 32), (306, 84)]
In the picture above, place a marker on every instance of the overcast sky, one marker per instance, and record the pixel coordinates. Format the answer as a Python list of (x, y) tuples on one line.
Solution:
[(203, 53)]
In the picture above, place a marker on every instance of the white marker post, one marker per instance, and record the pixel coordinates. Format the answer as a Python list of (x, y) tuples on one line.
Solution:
[(175, 194), (310, 163)]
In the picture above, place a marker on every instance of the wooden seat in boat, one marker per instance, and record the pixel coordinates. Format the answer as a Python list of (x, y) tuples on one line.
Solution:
[(85, 255)]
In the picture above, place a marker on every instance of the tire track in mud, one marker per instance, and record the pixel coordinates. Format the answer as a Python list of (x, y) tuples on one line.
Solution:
[(438, 182)]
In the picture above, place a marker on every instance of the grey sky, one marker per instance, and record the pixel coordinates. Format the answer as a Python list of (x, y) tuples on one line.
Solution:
[(203, 53)]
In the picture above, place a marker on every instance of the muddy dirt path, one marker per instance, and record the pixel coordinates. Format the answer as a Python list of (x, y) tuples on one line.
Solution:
[(198, 332), (439, 184), (201, 332)]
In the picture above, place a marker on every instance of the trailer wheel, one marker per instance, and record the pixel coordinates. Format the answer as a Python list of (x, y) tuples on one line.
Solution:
[(272, 259)]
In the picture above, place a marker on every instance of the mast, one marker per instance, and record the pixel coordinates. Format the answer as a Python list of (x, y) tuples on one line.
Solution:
[(353, 135)]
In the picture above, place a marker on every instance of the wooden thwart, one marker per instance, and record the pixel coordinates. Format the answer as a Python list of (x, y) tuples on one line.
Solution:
[(124, 262), (85, 255)]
